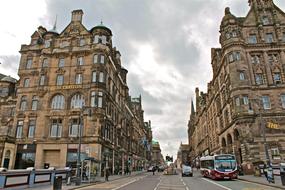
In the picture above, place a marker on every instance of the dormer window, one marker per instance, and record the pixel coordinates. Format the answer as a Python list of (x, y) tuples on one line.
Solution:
[(241, 75), (100, 39), (265, 20), (252, 39)]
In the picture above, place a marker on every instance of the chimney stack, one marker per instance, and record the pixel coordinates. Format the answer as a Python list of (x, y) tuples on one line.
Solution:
[(77, 16)]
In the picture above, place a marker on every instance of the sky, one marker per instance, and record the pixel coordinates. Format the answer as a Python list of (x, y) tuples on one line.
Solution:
[(165, 45)]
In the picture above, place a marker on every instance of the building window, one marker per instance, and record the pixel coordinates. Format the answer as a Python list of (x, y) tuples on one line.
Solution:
[(47, 43), (82, 42), (42, 80), (237, 101), (99, 58), (100, 99), (80, 61), (283, 37), (266, 102), (241, 75), (45, 63), (275, 152), (26, 82), (74, 128), (61, 62), (57, 102), (32, 127), (59, 80), (100, 39), (29, 63), (234, 56), (93, 99), (255, 59), (277, 78), (101, 77), (259, 79), (265, 20), (94, 76), (252, 39), (77, 101), (19, 132), (35, 101), (283, 100), (78, 79), (56, 128), (269, 38), (23, 103), (245, 100)]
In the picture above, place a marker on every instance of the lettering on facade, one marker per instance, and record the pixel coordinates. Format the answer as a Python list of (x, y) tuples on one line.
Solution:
[(272, 125), (68, 87)]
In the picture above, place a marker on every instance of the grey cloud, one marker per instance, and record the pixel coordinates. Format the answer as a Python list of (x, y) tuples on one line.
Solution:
[(9, 63)]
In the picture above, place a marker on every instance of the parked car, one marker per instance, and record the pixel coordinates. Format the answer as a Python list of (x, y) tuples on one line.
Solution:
[(150, 168), (161, 168), (187, 171)]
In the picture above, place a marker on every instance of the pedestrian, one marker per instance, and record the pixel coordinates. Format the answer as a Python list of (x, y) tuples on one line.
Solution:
[(153, 170), (106, 174), (265, 171)]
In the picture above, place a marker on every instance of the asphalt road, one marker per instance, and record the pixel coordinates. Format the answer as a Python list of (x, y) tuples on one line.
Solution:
[(147, 181)]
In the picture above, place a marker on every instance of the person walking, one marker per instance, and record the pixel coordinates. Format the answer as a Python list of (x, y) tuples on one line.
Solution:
[(153, 170), (106, 174)]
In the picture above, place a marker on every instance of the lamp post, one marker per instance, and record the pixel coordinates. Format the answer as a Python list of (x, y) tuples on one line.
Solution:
[(262, 126), (78, 164)]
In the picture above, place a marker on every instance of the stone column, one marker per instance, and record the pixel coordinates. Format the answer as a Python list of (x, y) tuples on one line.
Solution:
[(251, 74), (267, 69)]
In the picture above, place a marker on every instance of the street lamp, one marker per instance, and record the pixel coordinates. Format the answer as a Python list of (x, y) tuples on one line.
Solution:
[(78, 164), (262, 126)]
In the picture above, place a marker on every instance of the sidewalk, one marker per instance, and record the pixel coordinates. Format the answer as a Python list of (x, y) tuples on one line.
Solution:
[(98, 180), (262, 180)]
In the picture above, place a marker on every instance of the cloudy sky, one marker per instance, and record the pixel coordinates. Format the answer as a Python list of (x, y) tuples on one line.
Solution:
[(165, 45)]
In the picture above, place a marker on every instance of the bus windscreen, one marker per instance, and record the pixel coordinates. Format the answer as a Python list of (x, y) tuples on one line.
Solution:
[(225, 165)]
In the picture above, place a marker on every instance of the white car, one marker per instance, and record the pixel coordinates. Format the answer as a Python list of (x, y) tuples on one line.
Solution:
[(187, 171)]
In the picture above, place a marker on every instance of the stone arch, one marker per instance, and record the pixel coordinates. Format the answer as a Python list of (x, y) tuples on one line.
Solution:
[(236, 135), (224, 144), (229, 139)]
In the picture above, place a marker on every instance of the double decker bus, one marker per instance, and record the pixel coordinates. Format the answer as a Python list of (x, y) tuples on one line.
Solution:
[(222, 166)]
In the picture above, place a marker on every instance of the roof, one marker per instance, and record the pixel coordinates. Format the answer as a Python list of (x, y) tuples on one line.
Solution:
[(8, 79), (101, 26)]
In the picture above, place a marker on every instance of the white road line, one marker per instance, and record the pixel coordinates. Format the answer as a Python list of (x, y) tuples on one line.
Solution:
[(158, 184), (187, 188), (216, 184), (129, 183)]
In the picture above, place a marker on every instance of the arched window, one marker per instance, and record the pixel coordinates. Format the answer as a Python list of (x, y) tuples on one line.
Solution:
[(45, 63), (77, 101), (58, 102), (23, 103), (35, 101)]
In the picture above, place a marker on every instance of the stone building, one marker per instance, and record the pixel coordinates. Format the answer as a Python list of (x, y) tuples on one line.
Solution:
[(7, 112), (247, 91), (183, 157), (70, 79), (157, 157)]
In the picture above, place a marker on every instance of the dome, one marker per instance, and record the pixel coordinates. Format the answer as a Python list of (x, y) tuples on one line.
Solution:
[(101, 26), (9, 79)]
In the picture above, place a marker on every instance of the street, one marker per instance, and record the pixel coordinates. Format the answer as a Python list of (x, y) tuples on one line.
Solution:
[(147, 181)]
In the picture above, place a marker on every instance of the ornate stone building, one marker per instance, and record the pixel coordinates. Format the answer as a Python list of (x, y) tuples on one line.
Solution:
[(247, 91), (70, 79), (7, 113)]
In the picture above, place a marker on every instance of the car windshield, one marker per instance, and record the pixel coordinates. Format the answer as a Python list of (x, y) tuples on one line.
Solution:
[(225, 165)]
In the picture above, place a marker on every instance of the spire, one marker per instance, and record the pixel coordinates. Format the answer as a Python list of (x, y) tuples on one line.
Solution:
[(192, 107), (55, 22)]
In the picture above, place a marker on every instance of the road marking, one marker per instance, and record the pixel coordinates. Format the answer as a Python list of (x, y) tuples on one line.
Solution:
[(158, 184), (187, 188), (216, 184), (137, 179)]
